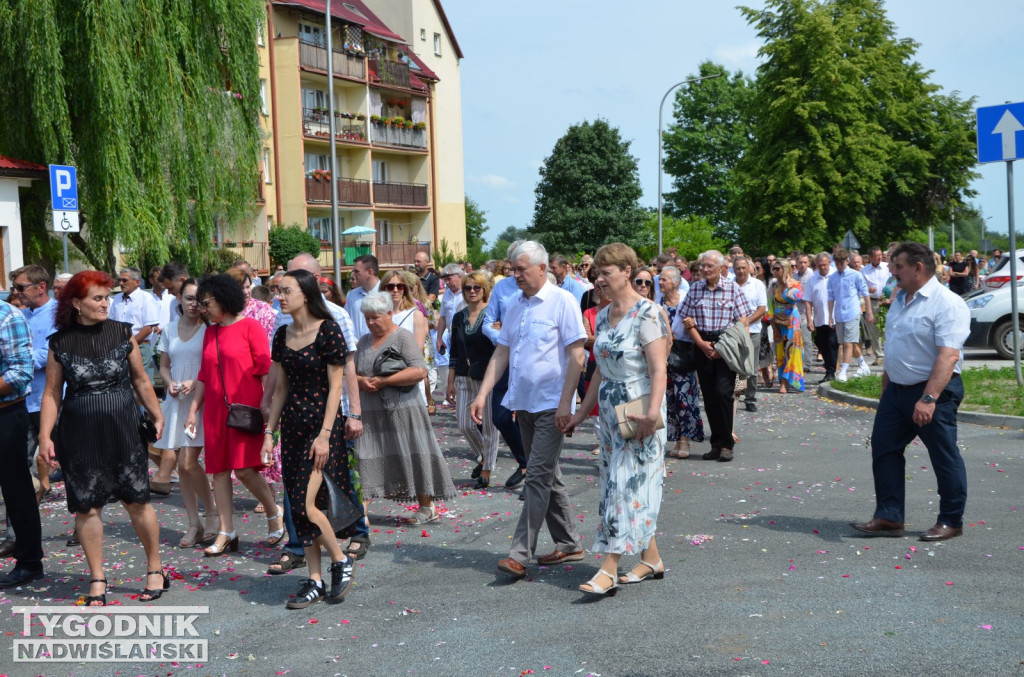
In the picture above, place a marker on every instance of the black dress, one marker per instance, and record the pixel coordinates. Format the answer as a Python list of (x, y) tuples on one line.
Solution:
[(97, 435), (301, 421)]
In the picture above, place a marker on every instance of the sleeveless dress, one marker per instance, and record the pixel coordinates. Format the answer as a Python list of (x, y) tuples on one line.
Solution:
[(301, 421), (631, 470), (186, 358), (97, 433)]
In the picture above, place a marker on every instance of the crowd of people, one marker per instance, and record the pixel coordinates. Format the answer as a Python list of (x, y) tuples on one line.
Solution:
[(288, 382)]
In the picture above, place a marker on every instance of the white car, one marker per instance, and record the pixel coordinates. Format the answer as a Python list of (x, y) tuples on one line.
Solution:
[(999, 277), (991, 320)]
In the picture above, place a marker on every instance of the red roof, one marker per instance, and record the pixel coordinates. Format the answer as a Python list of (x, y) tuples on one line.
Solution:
[(362, 17), (448, 28), (12, 167)]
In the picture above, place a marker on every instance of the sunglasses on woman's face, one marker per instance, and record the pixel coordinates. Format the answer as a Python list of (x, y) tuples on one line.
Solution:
[(776, 269), (472, 288), (395, 287), (643, 283)]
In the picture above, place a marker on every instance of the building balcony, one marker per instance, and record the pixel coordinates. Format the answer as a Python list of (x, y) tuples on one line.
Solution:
[(256, 253), (350, 191), (400, 253), (393, 73), (400, 194), (314, 57), (398, 137), (347, 128)]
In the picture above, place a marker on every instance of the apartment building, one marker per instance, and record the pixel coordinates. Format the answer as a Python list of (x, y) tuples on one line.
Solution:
[(398, 129)]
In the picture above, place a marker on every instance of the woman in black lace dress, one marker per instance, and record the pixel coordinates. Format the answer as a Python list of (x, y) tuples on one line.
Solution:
[(308, 362), (97, 437)]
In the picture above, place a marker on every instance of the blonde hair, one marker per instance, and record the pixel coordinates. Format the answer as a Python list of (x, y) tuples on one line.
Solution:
[(480, 279), (415, 287), (399, 277)]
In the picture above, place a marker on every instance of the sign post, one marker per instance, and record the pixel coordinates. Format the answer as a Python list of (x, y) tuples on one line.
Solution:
[(64, 201), (998, 129)]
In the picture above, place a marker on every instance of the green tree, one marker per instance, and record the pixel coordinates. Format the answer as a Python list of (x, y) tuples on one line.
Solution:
[(690, 235), (287, 242), (850, 135), (499, 250), (476, 225), (589, 191), (135, 96), (713, 129)]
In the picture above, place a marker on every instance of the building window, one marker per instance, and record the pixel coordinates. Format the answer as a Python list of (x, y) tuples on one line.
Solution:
[(423, 34), (437, 44), (310, 33), (263, 96), (266, 165), (316, 161), (383, 230), (380, 171), (320, 227), (259, 34), (270, 222)]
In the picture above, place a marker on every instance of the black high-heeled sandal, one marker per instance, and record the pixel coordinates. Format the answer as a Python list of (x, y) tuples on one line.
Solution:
[(154, 595), (87, 600)]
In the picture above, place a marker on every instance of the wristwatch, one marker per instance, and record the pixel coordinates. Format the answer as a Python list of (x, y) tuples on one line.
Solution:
[(928, 399)]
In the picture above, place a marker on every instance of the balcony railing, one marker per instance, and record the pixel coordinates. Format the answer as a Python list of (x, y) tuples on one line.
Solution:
[(350, 191), (316, 123), (389, 135), (399, 253), (256, 253), (312, 55), (400, 194), (394, 73)]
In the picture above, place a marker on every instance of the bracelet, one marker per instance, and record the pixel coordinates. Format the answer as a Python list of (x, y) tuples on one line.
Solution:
[(327, 429), (356, 417), (268, 431)]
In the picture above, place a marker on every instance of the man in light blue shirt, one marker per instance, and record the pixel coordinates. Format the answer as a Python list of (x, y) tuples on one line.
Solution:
[(846, 289), (365, 274), (560, 269), (926, 327)]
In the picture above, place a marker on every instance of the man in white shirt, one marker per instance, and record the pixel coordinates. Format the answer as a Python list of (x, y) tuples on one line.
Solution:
[(757, 294), (541, 343), (921, 393), (366, 275), (451, 300), (816, 296), (139, 309), (876, 274)]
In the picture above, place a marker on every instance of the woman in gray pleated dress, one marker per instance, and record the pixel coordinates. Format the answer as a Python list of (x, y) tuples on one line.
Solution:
[(398, 454)]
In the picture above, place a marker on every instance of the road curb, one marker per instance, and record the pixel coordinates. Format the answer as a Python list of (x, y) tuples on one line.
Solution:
[(827, 392)]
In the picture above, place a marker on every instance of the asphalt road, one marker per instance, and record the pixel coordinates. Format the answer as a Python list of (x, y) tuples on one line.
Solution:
[(764, 574)]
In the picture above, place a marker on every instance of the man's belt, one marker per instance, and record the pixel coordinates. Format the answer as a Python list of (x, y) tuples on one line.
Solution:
[(710, 335)]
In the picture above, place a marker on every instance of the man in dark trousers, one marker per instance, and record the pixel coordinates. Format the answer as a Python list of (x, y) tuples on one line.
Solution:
[(926, 328)]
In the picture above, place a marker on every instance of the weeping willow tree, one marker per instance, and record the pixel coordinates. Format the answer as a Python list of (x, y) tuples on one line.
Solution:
[(157, 105)]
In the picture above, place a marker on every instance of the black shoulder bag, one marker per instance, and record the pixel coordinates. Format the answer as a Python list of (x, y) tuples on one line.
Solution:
[(240, 416)]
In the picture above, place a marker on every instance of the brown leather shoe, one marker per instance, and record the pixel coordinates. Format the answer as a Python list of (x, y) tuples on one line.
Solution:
[(879, 527), (725, 456), (510, 566), (941, 532), (559, 557)]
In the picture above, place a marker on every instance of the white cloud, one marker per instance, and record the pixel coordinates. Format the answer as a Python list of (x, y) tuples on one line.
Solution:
[(739, 56), (492, 181)]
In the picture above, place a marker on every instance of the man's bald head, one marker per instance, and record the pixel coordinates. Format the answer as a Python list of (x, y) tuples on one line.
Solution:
[(305, 262)]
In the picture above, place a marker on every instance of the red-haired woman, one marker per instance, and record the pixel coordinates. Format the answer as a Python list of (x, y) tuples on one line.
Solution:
[(97, 439)]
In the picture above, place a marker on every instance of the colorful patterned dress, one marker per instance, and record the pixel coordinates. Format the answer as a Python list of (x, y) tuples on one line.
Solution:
[(631, 470), (788, 338), (683, 395)]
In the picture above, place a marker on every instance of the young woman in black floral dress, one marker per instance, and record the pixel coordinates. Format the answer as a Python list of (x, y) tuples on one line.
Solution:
[(309, 357)]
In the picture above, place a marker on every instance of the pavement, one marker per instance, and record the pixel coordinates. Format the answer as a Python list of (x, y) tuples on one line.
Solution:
[(764, 575)]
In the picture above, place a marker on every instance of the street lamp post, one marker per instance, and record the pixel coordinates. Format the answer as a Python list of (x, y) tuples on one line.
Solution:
[(661, 109)]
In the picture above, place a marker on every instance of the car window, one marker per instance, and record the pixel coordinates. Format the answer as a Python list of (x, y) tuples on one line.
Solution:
[(1005, 263)]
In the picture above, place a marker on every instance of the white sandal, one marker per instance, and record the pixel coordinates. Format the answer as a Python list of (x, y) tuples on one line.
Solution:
[(596, 589), (276, 536), (423, 516), (657, 573)]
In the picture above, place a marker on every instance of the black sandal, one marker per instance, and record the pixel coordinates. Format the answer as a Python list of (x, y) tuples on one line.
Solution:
[(154, 595), (87, 600), (287, 562), (360, 552)]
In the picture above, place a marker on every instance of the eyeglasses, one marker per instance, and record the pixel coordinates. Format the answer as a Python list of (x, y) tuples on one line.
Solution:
[(22, 287), (643, 283), (584, 265), (775, 268), (283, 291), (395, 287), (472, 288)]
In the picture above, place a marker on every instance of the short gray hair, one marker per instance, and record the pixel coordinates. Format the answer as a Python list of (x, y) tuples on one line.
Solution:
[(63, 277), (712, 253), (376, 303), (452, 269), (533, 251), (133, 272), (820, 256), (672, 273)]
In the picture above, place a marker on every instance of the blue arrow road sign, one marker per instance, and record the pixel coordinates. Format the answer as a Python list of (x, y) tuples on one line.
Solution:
[(63, 188), (1001, 133)]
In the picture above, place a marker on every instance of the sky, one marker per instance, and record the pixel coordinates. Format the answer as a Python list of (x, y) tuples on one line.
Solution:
[(533, 68)]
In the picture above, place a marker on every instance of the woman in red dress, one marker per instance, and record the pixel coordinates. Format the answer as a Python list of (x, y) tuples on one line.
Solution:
[(236, 357)]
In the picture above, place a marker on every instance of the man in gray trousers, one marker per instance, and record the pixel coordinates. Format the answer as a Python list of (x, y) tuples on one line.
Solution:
[(541, 344)]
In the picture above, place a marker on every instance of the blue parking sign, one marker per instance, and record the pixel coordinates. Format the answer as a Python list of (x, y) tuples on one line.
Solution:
[(63, 188)]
